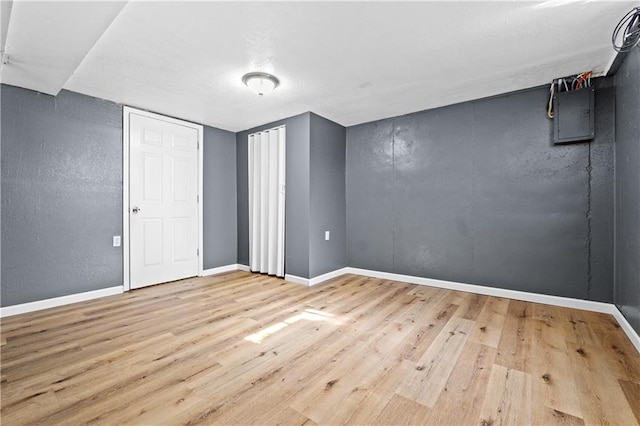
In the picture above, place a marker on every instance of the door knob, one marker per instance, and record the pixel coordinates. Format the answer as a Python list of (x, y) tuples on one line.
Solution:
[(135, 210)]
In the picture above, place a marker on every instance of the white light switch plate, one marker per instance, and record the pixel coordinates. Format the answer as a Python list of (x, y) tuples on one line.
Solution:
[(326, 235), (116, 240)]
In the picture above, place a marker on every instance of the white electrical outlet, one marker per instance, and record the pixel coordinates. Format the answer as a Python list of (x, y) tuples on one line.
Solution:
[(116, 240), (326, 235)]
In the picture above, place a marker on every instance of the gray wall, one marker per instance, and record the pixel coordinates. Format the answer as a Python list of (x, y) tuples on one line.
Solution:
[(477, 193), (297, 194), (601, 215), (220, 231), (627, 128), (61, 194), (1, 168), (327, 197)]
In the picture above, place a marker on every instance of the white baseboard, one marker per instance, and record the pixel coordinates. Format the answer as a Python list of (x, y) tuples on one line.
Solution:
[(296, 279), (220, 269), (226, 268), (316, 280), (58, 301), (326, 277), (626, 327), (566, 302)]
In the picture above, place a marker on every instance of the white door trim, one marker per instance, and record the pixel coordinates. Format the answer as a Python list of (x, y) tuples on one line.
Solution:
[(126, 110)]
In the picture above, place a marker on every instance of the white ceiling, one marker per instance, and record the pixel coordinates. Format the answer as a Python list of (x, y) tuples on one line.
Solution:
[(351, 62)]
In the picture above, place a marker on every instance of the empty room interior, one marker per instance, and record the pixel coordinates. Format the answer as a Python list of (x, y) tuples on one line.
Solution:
[(320, 212)]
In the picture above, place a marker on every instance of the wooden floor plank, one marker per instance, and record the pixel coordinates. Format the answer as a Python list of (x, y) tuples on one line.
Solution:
[(548, 417), (514, 349), (508, 398), (380, 393), (463, 394), (335, 403), (402, 411), (429, 377), (578, 327), (632, 392), (553, 380), (601, 398), (490, 321), (471, 305), (241, 348)]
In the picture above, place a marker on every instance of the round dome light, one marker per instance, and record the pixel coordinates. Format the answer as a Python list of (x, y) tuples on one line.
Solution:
[(260, 83)]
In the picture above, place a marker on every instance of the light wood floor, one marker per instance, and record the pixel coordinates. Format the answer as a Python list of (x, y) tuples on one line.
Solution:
[(241, 348)]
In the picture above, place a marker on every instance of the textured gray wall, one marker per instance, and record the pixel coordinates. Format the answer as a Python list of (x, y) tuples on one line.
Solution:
[(220, 231), (602, 190), (1, 116), (297, 195), (370, 188), (327, 197), (476, 193), (61, 194), (627, 129)]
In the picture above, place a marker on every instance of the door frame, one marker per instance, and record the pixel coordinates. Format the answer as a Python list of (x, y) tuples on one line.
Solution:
[(126, 111)]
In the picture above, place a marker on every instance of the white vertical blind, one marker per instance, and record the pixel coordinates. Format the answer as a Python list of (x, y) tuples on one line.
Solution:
[(266, 201)]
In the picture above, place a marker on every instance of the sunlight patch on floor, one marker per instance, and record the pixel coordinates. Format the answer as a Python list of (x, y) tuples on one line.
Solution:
[(308, 315)]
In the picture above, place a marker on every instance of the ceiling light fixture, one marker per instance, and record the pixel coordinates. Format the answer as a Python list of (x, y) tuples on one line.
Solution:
[(260, 83)]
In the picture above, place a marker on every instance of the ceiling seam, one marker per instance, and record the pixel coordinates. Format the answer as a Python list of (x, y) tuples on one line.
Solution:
[(126, 3)]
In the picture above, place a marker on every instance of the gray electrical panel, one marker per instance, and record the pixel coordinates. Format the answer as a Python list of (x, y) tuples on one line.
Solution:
[(573, 118)]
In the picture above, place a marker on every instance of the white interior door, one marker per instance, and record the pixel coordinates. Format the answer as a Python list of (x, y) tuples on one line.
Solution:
[(163, 201)]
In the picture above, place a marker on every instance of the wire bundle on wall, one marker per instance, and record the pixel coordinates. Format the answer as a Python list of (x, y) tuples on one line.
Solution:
[(567, 84), (631, 35)]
